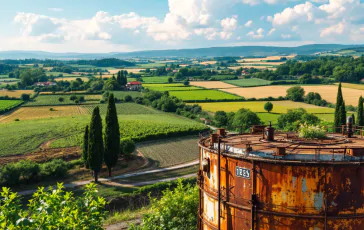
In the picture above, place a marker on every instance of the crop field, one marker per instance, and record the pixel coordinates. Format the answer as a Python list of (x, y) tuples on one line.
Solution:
[(26, 136), (172, 151), (327, 92), (6, 105), (151, 65), (270, 67), (352, 86), (212, 84), (124, 109), (32, 113), (208, 63), (258, 106), (170, 87), (248, 82), (83, 66), (269, 58), (56, 74), (15, 93), (141, 127), (156, 79), (71, 78), (53, 100), (4, 75), (203, 95), (122, 94)]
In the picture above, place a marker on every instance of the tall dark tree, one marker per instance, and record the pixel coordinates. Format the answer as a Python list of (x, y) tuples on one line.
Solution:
[(340, 112), (95, 143), (112, 135), (85, 147), (118, 78), (360, 115)]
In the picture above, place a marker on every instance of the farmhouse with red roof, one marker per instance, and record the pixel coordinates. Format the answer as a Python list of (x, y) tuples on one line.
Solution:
[(134, 85)]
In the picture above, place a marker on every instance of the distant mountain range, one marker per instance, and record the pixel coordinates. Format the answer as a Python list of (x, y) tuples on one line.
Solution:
[(193, 53)]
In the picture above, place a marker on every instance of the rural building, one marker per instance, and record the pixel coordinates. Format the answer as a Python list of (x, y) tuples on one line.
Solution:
[(134, 85), (47, 83), (244, 72), (275, 180)]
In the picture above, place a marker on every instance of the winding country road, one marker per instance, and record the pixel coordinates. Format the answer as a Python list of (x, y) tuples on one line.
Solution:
[(122, 176)]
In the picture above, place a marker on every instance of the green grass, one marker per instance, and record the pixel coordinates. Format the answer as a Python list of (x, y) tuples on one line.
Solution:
[(170, 87), (172, 151), (124, 109), (203, 95), (5, 80), (56, 74), (223, 77), (248, 82), (150, 65), (52, 100), (4, 75), (9, 104), (25, 136), (122, 94), (83, 66), (258, 106), (156, 79)]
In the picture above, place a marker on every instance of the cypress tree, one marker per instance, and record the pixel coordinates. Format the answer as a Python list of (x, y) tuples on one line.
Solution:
[(85, 148), (112, 135), (340, 113), (118, 79), (360, 115), (95, 143)]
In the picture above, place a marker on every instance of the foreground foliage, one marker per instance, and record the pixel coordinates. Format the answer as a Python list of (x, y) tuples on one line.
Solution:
[(177, 209), (53, 209), (311, 132)]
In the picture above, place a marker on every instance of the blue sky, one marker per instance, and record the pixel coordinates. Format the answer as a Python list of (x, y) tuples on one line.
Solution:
[(123, 25)]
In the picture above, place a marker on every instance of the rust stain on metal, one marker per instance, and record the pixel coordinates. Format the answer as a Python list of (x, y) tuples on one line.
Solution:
[(309, 187)]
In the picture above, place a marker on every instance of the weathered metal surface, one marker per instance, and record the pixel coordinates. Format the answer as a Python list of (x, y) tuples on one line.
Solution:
[(289, 193)]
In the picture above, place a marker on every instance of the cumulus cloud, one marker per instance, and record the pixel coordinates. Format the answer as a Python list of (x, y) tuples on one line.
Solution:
[(229, 24), (336, 29), (34, 24), (258, 34), (248, 23)]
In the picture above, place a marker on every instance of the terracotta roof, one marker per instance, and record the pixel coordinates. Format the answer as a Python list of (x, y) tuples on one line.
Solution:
[(134, 83)]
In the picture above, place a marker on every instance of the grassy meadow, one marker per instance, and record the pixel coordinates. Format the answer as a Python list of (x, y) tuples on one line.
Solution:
[(248, 82), (203, 95)]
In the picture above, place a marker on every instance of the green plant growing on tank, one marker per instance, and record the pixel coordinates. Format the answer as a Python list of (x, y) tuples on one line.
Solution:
[(311, 132)]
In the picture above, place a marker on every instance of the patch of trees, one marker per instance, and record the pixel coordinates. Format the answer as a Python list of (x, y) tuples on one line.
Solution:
[(297, 93), (242, 120), (107, 62), (5, 69), (30, 76), (64, 69), (343, 69), (295, 117)]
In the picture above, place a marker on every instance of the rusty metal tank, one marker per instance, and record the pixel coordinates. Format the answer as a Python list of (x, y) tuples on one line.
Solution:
[(248, 182)]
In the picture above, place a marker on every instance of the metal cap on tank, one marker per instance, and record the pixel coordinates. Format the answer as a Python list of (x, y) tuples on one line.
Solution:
[(221, 132), (269, 132)]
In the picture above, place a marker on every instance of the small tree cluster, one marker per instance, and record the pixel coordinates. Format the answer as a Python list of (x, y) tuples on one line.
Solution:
[(340, 111), (292, 120), (122, 79), (360, 112)]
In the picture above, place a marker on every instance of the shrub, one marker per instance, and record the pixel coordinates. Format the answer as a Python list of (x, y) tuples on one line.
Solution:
[(311, 132), (10, 175), (17, 119), (51, 109), (25, 97), (295, 93), (127, 147), (56, 168), (29, 170), (81, 98), (73, 97), (128, 98), (61, 99), (268, 106), (175, 210)]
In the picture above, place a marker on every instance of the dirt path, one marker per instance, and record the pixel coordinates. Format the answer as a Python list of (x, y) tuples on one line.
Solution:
[(122, 176)]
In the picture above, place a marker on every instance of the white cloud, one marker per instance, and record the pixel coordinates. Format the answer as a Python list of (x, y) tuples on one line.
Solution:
[(337, 29), (301, 12), (248, 23), (271, 31), (34, 24), (258, 34), (229, 24), (56, 9), (286, 36)]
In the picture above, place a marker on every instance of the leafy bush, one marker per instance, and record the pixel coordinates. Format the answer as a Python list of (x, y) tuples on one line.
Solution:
[(53, 209), (61, 99), (128, 98), (73, 97), (311, 132), (295, 117), (295, 93), (175, 210), (56, 168), (127, 147), (25, 97)]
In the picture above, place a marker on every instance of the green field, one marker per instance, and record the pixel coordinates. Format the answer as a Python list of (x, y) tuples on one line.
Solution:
[(6, 105), (83, 66), (4, 75), (170, 87), (156, 79), (124, 109), (122, 94), (170, 152), (56, 74), (201, 95), (258, 106), (26, 136), (51, 100), (248, 82), (222, 77), (150, 65)]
